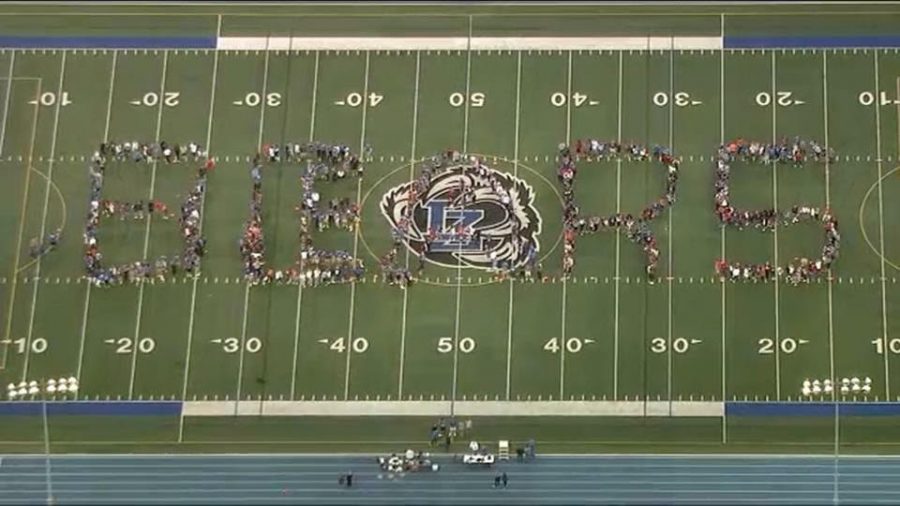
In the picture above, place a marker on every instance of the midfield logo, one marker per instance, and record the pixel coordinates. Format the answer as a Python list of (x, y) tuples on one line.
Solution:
[(471, 216)]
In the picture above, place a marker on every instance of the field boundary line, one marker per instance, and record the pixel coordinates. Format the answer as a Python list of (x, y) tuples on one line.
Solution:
[(412, 175), (509, 324), (362, 148), (775, 206), (259, 139), (674, 12), (640, 409), (884, 315), (618, 235), (312, 130), (565, 280), (190, 337), (43, 230), (87, 289), (9, 81), (395, 43), (136, 339)]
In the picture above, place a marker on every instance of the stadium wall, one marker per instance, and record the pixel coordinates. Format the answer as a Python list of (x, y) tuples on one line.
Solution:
[(92, 408), (820, 409)]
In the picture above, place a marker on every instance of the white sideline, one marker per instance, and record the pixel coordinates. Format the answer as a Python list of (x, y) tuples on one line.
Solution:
[(463, 43), (461, 408)]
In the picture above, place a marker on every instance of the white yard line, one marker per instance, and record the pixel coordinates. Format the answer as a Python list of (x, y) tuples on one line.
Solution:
[(884, 317), (136, 339), (312, 130), (618, 236), (87, 289), (362, 148), (831, 372), (509, 324), (412, 175), (722, 229), (190, 337), (828, 206), (12, 61), (671, 228), (465, 149), (565, 295), (21, 228), (43, 231), (259, 138), (775, 206)]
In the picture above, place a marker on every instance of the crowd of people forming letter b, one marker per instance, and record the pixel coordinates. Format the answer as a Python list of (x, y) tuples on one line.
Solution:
[(797, 152), (194, 246)]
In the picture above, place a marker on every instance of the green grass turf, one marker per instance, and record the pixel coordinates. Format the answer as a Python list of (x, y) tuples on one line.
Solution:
[(619, 364)]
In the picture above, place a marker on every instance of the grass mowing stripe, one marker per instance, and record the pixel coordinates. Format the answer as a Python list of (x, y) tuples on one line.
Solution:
[(9, 75), (828, 206), (884, 320), (465, 148), (22, 211), (136, 339), (562, 330), (262, 119), (516, 174), (618, 235), (192, 314), (412, 175), (87, 289), (362, 147), (312, 130), (775, 206), (37, 272), (671, 228)]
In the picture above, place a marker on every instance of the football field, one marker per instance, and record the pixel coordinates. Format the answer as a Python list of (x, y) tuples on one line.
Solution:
[(458, 334)]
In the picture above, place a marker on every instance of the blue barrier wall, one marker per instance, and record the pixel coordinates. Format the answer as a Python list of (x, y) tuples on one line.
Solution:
[(812, 409), (92, 408), (88, 42), (807, 42)]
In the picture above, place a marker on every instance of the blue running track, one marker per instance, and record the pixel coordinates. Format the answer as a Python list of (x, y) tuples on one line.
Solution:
[(312, 479)]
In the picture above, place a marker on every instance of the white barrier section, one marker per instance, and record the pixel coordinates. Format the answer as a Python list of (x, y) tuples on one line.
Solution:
[(463, 43), (461, 408)]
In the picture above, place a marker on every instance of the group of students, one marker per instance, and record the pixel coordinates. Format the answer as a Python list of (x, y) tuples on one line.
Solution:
[(392, 271), (314, 266), (797, 152), (135, 151), (637, 228), (194, 244), (333, 161), (38, 247)]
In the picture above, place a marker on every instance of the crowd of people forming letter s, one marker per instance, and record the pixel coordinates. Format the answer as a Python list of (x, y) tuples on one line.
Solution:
[(797, 152), (189, 217)]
